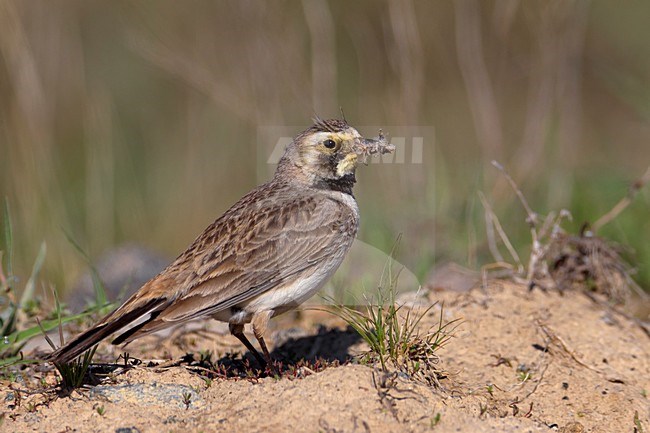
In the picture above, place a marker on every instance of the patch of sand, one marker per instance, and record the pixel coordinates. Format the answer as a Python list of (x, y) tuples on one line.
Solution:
[(520, 362)]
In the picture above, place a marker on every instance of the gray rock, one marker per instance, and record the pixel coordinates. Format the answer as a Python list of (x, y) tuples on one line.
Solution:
[(122, 270), (150, 394)]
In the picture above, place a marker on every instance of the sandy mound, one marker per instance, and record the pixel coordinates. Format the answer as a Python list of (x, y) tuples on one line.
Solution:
[(520, 362)]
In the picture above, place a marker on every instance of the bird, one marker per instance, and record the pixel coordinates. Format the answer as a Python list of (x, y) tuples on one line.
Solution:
[(267, 254)]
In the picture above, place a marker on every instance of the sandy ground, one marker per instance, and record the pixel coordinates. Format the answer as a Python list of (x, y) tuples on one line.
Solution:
[(520, 362)]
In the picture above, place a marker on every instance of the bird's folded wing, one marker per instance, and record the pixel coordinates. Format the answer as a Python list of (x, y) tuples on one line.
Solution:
[(265, 253)]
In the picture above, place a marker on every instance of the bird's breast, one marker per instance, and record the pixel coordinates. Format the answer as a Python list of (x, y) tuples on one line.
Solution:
[(302, 286)]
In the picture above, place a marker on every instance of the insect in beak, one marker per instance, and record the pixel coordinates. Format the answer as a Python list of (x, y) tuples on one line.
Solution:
[(374, 146)]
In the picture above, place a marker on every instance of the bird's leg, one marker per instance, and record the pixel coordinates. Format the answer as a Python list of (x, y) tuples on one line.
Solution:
[(260, 323), (238, 331)]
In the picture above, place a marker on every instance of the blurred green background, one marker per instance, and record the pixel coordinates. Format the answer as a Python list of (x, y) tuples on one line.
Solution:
[(144, 120)]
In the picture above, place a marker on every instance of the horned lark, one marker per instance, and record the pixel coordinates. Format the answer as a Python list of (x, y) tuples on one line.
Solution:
[(267, 254)]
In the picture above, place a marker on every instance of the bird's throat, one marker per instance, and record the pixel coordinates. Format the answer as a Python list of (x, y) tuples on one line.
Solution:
[(343, 184)]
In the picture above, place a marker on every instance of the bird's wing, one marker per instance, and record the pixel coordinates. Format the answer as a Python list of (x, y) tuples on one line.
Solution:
[(245, 253)]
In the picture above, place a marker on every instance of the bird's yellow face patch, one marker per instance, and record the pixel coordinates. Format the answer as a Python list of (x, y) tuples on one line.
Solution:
[(347, 165)]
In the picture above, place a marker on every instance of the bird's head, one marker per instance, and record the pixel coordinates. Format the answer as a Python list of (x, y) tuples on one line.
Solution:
[(326, 153)]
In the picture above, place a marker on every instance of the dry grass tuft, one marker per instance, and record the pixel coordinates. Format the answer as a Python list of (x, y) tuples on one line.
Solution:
[(395, 335), (566, 261), (592, 263)]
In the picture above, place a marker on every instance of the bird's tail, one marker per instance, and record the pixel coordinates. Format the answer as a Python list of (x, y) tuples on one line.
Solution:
[(113, 322)]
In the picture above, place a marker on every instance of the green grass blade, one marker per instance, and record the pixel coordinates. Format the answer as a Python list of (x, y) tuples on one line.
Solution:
[(100, 293), (30, 287), (16, 360), (8, 316), (19, 337), (9, 319), (8, 241)]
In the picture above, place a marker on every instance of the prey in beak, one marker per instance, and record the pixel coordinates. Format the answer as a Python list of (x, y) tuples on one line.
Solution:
[(367, 147)]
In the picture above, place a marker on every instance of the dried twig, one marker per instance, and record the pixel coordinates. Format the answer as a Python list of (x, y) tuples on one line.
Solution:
[(532, 216), (554, 338), (485, 269), (537, 251), (492, 219), (489, 229), (624, 202), (47, 337), (550, 230)]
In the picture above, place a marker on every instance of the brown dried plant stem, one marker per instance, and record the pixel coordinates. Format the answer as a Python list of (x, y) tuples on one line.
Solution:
[(624, 202)]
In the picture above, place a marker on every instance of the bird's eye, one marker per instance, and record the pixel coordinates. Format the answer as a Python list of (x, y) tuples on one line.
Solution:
[(330, 144)]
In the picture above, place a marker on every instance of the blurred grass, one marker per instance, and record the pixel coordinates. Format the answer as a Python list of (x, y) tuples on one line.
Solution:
[(138, 121)]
